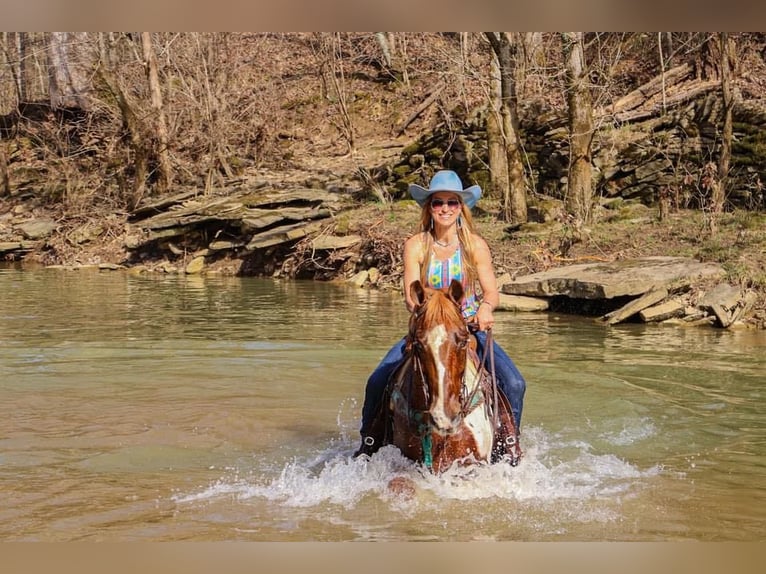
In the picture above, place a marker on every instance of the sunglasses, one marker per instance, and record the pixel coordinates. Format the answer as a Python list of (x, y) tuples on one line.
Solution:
[(453, 203)]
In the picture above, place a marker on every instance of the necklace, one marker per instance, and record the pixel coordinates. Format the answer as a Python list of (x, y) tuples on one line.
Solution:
[(446, 244)]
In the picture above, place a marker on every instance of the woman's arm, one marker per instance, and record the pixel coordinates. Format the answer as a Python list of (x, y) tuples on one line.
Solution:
[(413, 251), (488, 283)]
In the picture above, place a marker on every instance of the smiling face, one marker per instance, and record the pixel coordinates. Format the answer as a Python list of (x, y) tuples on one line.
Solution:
[(445, 207)]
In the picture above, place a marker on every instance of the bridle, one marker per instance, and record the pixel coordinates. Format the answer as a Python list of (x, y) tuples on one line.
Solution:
[(468, 401)]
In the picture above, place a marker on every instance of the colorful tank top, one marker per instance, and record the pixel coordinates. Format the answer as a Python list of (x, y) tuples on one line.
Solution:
[(441, 273)]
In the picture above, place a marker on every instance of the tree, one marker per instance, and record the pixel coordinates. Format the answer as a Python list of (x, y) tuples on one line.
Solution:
[(718, 186), (508, 178), (579, 196), (70, 69), (161, 151)]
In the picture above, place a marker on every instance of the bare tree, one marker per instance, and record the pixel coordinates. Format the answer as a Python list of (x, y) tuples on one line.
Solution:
[(161, 128), (718, 187), (334, 85), (533, 58), (579, 196), (510, 173), (497, 156), (70, 70), (384, 42), (133, 177), (5, 180), (14, 49)]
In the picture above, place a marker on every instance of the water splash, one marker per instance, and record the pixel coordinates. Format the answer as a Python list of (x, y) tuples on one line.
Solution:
[(552, 470)]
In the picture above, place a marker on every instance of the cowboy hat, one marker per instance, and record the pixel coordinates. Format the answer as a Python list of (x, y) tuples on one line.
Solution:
[(446, 180)]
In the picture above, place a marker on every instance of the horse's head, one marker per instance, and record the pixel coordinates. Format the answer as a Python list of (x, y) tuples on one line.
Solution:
[(439, 337)]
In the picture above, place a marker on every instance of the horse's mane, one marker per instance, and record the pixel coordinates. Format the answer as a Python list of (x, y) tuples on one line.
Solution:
[(439, 308)]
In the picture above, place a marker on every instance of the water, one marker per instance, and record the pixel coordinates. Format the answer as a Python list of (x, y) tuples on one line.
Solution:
[(184, 408)]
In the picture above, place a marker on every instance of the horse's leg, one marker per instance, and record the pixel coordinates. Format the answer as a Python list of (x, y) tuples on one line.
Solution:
[(506, 433)]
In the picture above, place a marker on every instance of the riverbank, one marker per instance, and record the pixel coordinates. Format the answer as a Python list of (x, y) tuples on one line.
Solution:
[(620, 232)]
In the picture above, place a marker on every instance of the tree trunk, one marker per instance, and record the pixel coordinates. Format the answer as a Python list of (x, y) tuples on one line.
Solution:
[(498, 159), (5, 180), (515, 198), (579, 196), (385, 48), (718, 192), (69, 69), (133, 192), (533, 59), (13, 49), (161, 147)]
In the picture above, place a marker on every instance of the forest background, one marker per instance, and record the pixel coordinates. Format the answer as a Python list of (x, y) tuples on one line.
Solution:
[(589, 146)]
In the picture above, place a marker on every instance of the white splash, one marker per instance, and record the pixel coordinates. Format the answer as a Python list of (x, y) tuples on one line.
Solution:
[(551, 471)]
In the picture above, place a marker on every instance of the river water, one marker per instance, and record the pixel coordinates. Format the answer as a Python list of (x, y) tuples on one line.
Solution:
[(169, 408)]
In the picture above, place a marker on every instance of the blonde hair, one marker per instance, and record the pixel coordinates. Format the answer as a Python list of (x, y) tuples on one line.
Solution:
[(465, 232)]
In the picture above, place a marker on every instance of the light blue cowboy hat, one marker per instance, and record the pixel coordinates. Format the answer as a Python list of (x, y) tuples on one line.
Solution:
[(446, 180)]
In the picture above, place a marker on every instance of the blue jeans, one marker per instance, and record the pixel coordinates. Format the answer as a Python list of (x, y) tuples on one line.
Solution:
[(509, 378)]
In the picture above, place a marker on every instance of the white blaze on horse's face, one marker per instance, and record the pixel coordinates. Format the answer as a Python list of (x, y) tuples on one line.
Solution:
[(435, 338)]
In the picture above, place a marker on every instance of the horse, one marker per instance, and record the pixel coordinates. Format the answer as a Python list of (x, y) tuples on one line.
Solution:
[(442, 406)]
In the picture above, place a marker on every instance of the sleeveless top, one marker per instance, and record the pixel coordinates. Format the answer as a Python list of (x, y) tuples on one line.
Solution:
[(441, 273)]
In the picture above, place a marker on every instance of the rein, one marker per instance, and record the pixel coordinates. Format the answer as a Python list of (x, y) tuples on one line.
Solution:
[(489, 352)]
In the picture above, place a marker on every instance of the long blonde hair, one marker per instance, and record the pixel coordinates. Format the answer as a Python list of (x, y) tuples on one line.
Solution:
[(465, 232)]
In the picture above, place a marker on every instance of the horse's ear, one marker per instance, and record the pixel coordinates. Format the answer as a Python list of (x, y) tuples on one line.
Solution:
[(417, 292), (456, 290)]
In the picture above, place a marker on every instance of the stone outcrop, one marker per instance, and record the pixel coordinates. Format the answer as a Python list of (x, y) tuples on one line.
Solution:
[(255, 217), (650, 289), (600, 280)]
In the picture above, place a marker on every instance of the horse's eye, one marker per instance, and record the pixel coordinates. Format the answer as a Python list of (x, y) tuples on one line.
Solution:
[(462, 342)]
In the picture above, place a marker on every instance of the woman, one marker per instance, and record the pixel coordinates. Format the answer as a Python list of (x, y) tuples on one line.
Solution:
[(446, 248)]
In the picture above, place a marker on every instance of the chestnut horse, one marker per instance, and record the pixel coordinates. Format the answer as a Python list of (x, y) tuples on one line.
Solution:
[(443, 404)]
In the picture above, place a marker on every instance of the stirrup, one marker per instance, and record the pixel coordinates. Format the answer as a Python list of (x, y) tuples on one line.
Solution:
[(368, 442)]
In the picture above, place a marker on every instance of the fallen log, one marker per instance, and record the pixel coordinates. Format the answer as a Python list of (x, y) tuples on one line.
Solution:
[(421, 108), (651, 88)]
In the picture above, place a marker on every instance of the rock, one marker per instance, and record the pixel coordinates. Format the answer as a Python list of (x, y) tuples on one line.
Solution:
[(360, 278), (521, 303), (174, 249), (84, 234), (722, 301), (723, 294), (10, 247), (626, 311), (37, 228), (195, 266), (664, 311), (282, 235), (728, 303), (503, 279), (224, 245), (335, 242), (132, 241), (606, 280)]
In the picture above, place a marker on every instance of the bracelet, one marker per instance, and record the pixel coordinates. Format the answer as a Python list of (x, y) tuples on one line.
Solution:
[(491, 306)]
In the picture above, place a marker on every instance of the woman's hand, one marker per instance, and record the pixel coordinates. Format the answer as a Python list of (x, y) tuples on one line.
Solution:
[(484, 316)]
